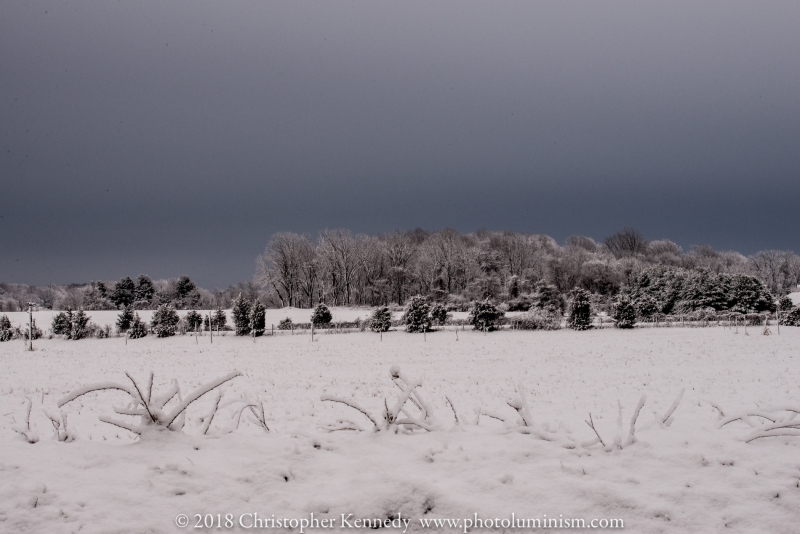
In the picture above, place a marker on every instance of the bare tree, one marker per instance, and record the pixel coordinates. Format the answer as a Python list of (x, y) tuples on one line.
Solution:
[(626, 242)]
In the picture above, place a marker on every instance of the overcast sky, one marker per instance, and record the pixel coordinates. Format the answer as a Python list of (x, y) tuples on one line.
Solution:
[(174, 137)]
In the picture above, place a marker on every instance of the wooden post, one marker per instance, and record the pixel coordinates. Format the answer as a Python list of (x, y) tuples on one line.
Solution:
[(312, 331), (30, 325), (273, 330), (210, 327)]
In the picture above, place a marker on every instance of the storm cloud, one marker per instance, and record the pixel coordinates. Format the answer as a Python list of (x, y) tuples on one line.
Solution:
[(175, 137)]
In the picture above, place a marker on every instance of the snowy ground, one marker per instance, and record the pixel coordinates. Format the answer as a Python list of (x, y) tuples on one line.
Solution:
[(690, 476)]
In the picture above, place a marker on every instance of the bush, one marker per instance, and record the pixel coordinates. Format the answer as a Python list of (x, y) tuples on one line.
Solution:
[(80, 325), (624, 313), (791, 318), (37, 332), (165, 321), (322, 315), (258, 318), (381, 320), (785, 304), (580, 311), (241, 316), (6, 332), (138, 327), (62, 323), (484, 316), (285, 324), (124, 319), (439, 314), (194, 321), (537, 319), (417, 316), (521, 303)]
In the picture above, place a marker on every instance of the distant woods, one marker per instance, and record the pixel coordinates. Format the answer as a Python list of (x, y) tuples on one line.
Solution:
[(340, 269)]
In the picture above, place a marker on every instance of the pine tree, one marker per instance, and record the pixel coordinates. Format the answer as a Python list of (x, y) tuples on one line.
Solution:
[(624, 313), (138, 327), (241, 316), (80, 323), (258, 314), (580, 311), (484, 316), (220, 319), (417, 316), (439, 314), (381, 320), (322, 315), (285, 324), (6, 332), (62, 323), (165, 321), (144, 291), (124, 319), (193, 321), (123, 294)]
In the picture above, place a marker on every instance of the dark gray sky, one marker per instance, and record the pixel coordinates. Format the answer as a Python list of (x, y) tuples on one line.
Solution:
[(174, 137)]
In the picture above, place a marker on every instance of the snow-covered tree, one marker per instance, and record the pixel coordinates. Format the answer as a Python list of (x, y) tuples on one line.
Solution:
[(193, 320), (144, 292), (417, 316), (258, 318), (484, 316), (138, 327), (164, 321), (624, 313), (322, 315), (6, 332), (439, 314), (124, 319), (62, 323), (381, 320), (285, 324), (80, 325), (123, 293), (580, 312), (241, 316)]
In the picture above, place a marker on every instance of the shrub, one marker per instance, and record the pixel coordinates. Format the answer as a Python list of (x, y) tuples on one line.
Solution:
[(37, 332), (194, 320), (80, 325), (285, 324), (439, 314), (537, 319), (785, 304), (381, 320), (6, 332), (124, 319), (791, 318), (417, 317), (580, 311), (258, 318), (624, 314), (321, 316), (138, 327), (165, 321), (241, 316), (62, 323), (484, 316), (521, 303)]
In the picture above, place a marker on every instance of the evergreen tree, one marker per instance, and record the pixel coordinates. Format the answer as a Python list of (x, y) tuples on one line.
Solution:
[(124, 319), (62, 323), (123, 294), (646, 307), (417, 316), (193, 320), (749, 295), (791, 318), (546, 298), (624, 313), (285, 324), (381, 320), (144, 290), (165, 321), (220, 319), (258, 314), (580, 312), (241, 316), (322, 315), (138, 327), (484, 316), (80, 325), (6, 332), (439, 314)]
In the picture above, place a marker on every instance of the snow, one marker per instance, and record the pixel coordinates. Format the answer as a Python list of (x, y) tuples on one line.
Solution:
[(687, 475), (795, 298)]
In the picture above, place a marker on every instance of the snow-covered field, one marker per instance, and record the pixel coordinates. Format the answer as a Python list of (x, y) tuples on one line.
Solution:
[(689, 476)]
